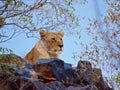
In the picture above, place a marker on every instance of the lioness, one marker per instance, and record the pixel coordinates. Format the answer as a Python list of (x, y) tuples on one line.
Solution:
[(49, 46)]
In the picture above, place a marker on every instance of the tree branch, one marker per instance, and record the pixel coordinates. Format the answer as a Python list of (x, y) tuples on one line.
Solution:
[(1, 41), (6, 5), (39, 4)]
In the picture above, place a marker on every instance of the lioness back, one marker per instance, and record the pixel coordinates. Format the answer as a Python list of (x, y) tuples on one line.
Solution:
[(49, 46)]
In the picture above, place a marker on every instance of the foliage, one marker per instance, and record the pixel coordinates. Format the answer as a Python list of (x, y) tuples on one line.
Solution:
[(117, 78), (4, 66), (29, 17), (7, 59)]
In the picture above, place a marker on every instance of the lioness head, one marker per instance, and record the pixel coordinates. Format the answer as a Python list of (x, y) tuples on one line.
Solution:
[(53, 41)]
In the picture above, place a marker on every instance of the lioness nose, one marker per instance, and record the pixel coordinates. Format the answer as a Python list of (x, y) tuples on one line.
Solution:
[(60, 46)]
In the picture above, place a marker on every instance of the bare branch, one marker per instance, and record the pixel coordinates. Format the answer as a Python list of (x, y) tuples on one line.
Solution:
[(6, 5), (39, 4), (17, 25), (8, 38), (9, 10)]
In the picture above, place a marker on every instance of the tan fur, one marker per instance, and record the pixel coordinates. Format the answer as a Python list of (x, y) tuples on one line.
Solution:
[(49, 46)]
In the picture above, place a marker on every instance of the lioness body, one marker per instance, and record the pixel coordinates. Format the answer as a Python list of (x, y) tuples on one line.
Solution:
[(49, 46)]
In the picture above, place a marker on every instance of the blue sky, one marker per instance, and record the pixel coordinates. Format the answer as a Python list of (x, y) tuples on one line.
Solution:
[(22, 45)]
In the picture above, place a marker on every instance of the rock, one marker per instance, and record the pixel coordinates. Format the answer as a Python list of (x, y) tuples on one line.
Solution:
[(3, 82), (83, 70), (67, 66), (51, 74), (86, 75), (100, 83), (58, 69), (21, 83), (88, 87), (17, 71), (73, 88), (85, 78), (44, 71), (39, 85), (56, 85), (14, 73), (21, 78), (53, 69), (84, 65), (27, 71)]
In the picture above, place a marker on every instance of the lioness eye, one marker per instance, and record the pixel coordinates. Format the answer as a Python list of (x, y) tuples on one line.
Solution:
[(53, 38)]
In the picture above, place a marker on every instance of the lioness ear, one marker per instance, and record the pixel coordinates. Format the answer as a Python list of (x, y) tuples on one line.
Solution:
[(61, 33), (42, 33)]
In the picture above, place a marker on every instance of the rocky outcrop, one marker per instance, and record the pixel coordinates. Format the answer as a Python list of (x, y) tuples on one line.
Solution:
[(53, 74)]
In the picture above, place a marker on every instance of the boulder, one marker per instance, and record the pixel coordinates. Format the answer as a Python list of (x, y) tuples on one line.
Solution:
[(56, 85), (22, 83), (100, 83), (84, 65), (88, 87), (53, 69)]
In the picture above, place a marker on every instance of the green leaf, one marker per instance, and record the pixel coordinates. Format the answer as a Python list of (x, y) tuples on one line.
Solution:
[(19, 4)]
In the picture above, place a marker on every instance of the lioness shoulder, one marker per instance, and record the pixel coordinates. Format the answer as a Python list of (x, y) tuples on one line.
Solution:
[(49, 46)]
